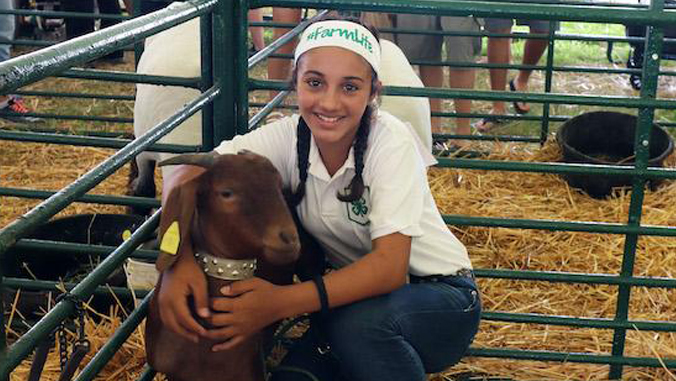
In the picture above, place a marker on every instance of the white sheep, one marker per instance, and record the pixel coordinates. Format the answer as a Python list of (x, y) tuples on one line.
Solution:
[(173, 52), (176, 52), (395, 70)]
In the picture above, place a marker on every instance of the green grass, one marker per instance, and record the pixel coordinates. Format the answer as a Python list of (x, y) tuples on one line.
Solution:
[(577, 52)]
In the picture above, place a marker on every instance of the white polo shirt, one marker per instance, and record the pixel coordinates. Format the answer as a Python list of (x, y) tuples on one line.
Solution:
[(397, 197)]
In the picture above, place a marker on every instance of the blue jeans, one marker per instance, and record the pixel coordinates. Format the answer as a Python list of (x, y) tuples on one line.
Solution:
[(417, 329), (6, 29)]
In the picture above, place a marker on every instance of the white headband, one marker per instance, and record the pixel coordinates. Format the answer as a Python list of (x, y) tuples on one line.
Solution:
[(343, 34)]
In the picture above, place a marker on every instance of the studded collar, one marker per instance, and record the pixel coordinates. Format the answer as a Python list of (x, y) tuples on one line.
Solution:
[(226, 269)]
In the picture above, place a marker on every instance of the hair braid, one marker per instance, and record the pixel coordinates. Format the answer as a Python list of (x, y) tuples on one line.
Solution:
[(303, 152), (356, 188)]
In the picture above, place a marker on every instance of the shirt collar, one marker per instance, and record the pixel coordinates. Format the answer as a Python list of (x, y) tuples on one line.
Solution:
[(317, 167)]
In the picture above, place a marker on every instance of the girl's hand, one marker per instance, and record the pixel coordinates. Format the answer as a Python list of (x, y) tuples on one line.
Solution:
[(247, 307), (181, 281)]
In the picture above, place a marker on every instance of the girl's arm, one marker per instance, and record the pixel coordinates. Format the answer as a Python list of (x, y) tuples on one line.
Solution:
[(253, 304), (381, 271)]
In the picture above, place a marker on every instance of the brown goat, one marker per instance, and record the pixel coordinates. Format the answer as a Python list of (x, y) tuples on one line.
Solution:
[(235, 210)]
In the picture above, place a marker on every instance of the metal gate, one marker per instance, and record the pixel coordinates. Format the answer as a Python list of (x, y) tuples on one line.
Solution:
[(224, 103)]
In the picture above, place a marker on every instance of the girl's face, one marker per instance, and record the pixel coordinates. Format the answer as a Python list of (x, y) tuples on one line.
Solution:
[(334, 88)]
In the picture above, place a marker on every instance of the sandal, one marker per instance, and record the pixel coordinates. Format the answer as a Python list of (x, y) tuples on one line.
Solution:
[(488, 123), (517, 107), (444, 148)]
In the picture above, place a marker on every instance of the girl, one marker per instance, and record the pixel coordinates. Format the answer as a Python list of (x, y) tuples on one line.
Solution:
[(401, 301)]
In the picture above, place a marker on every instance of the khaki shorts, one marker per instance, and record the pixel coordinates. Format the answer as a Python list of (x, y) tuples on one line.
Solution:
[(428, 47)]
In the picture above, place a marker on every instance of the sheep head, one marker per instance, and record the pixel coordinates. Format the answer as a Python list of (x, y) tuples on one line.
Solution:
[(235, 210)]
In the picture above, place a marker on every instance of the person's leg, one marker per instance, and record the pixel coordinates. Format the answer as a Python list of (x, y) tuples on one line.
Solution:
[(77, 26), (110, 7), (532, 52), (499, 52), (433, 76), (462, 49), (129, 6), (416, 329), (256, 15), (418, 47), (280, 68), (12, 107), (462, 79), (7, 29), (149, 6), (380, 21)]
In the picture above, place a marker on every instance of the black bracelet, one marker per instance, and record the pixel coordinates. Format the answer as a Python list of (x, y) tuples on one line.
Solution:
[(323, 296)]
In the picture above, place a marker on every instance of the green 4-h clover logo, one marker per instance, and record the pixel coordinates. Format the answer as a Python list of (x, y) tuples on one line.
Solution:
[(358, 210)]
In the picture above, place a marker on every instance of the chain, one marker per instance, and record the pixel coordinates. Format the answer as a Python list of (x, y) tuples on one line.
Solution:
[(79, 309), (82, 343), (63, 345)]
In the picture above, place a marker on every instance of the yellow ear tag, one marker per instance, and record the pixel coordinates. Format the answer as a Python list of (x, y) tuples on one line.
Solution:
[(126, 235), (171, 239)]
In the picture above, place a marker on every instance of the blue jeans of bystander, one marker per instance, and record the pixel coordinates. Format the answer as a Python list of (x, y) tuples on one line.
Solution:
[(6, 29)]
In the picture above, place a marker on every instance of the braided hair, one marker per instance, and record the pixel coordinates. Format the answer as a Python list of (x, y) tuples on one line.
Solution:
[(356, 187)]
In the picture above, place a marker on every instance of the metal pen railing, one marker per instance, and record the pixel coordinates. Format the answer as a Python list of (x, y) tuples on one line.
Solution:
[(233, 111)]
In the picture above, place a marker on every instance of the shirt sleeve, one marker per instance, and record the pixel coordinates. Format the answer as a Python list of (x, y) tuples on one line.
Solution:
[(275, 141), (397, 183)]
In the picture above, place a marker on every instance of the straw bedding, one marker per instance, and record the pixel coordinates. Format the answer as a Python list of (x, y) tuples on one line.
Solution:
[(544, 196), (462, 192), (465, 192)]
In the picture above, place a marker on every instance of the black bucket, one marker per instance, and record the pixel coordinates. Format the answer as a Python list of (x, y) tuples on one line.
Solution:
[(43, 264), (607, 138)]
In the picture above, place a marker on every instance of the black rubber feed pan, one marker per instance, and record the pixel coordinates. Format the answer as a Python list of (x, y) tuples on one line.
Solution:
[(607, 138), (45, 264)]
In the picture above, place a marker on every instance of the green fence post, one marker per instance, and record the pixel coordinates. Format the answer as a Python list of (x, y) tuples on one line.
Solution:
[(3, 333), (650, 76), (207, 80), (138, 46), (544, 131), (241, 64), (224, 70)]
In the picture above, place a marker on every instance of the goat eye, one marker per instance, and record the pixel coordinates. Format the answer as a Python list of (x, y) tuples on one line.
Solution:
[(227, 193)]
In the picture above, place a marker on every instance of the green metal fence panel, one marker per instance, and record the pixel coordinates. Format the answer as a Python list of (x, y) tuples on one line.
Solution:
[(62, 310), (42, 285), (89, 141), (23, 70), (116, 340), (515, 10), (82, 249), (230, 108), (18, 72), (51, 206), (206, 41)]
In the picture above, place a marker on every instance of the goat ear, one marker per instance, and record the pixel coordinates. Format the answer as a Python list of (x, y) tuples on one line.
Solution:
[(175, 222)]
